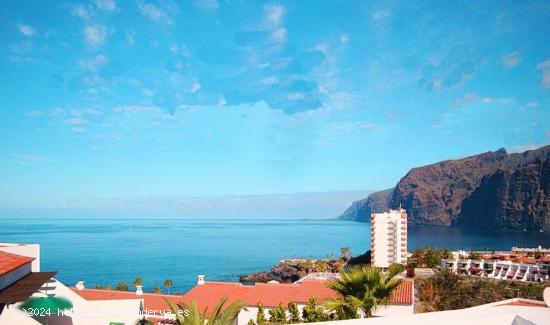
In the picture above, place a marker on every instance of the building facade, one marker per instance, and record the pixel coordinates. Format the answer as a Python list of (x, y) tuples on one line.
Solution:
[(389, 238)]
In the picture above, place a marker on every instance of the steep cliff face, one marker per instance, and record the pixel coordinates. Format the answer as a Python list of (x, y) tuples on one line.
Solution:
[(511, 200), (434, 194), (360, 210)]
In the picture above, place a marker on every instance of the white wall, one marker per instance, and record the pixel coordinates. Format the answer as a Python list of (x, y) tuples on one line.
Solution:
[(30, 250), (394, 310), (14, 276), (13, 316)]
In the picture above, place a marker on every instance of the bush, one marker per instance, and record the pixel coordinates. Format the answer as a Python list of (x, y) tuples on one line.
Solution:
[(396, 269)]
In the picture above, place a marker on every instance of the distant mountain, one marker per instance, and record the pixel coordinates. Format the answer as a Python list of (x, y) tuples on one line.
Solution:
[(492, 189)]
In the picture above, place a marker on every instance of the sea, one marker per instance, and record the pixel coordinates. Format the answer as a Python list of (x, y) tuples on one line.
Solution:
[(109, 251)]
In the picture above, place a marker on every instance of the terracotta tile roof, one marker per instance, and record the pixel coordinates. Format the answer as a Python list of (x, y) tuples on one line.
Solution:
[(9, 262), (270, 295), (403, 294), (525, 259)]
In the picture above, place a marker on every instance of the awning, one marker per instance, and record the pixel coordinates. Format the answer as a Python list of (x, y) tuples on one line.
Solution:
[(24, 288)]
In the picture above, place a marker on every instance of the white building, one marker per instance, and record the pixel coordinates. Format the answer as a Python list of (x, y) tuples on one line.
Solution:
[(389, 238), (501, 266)]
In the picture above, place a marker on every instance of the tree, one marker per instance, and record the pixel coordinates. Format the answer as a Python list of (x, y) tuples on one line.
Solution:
[(190, 314), (277, 315), (396, 269), (138, 282), (474, 256), (156, 289), (168, 284), (250, 322), (294, 313), (345, 253), (363, 288), (312, 312), (121, 286), (260, 316)]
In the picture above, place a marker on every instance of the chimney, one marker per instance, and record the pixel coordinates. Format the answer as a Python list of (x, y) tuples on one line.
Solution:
[(200, 279), (139, 290), (80, 285)]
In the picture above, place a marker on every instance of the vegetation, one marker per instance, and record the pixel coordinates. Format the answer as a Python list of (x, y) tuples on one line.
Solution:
[(447, 291), (474, 256), (396, 269), (294, 313), (190, 314), (138, 282), (121, 286), (429, 257), (278, 315), (103, 287), (312, 312), (143, 321), (345, 253), (156, 289), (260, 316), (363, 259), (363, 288), (168, 285)]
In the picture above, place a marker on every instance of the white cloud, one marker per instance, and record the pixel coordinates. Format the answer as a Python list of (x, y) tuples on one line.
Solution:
[(35, 113), (25, 30), (486, 100), (76, 121), (107, 5), (154, 13), (380, 14), (274, 15), (94, 63), (78, 129), (511, 60), (529, 105), (130, 38), (81, 11), (344, 38), (30, 158), (195, 87), (280, 35), (95, 35), (138, 108), (208, 4), (544, 67)]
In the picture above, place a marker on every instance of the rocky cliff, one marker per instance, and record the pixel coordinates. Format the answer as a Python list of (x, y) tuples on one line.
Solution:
[(493, 189)]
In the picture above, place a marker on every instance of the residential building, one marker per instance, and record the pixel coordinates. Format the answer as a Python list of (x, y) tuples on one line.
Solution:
[(389, 238), (502, 266)]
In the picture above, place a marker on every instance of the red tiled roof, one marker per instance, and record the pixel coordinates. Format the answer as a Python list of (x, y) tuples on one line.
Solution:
[(403, 294), (525, 259), (9, 262), (270, 295)]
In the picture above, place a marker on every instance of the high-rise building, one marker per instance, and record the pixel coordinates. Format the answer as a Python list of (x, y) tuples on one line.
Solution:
[(388, 238)]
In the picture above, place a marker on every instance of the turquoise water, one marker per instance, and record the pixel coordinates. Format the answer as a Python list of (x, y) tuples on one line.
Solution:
[(109, 251)]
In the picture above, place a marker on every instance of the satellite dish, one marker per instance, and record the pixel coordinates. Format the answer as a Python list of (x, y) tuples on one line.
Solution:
[(546, 295)]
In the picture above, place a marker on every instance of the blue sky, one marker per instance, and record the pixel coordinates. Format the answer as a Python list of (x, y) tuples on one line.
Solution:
[(142, 105)]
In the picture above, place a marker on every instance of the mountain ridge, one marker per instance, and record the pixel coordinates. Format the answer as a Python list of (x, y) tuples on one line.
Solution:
[(436, 194)]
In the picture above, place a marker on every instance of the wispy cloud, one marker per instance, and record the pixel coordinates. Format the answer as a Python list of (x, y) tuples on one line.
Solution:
[(274, 15), (81, 11), (511, 60), (107, 5), (94, 63), (76, 121), (156, 13), (30, 158), (544, 68), (25, 30), (380, 14), (207, 4), (344, 38), (95, 35)]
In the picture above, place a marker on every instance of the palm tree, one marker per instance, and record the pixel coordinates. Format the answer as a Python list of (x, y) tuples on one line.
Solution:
[(138, 282), (190, 314), (362, 288), (168, 284)]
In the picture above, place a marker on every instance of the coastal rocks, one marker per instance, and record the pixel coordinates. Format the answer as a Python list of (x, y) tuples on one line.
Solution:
[(436, 194), (280, 273)]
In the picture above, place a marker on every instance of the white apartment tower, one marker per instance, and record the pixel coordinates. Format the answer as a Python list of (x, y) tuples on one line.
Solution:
[(388, 238)]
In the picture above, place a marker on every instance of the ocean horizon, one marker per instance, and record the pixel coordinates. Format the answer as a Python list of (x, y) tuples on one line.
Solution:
[(109, 251)]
